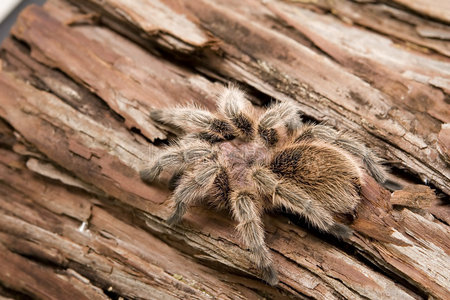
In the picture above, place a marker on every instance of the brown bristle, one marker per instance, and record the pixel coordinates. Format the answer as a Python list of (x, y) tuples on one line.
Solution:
[(269, 135), (210, 137), (285, 162), (244, 124), (311, 170), (223, 128), (221, 188)]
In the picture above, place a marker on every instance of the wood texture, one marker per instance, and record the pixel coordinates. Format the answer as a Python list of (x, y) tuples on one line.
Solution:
[(79, 79)]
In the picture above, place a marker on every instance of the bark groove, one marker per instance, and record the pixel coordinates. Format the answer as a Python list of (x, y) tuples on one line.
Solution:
[(77, 83)]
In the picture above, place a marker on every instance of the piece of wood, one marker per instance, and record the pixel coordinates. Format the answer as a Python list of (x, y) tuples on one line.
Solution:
[(79, 79)]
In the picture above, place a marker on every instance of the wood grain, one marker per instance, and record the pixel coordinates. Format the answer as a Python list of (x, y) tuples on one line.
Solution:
[(77, 83)]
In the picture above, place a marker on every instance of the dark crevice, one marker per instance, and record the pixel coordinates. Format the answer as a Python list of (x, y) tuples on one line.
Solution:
[(439, 193), (113, 295), (139, 133), (399, 166), (96, 280), (406, 285), (441, 220), (7, 138), (13, 294), (22, 45), (412, 12), (404, 174), (162, 142), (38, 260), (289, 292)]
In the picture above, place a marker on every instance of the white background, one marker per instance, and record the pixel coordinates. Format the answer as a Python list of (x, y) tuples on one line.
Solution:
[(9, 9), (6, 6)]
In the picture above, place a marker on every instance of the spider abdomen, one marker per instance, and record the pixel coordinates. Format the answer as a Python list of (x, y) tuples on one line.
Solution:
[(328, 174)]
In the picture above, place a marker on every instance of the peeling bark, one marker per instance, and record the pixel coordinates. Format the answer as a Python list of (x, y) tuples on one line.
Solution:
[(79, 79)]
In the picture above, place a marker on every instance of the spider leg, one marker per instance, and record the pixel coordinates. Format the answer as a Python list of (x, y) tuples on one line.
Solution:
[(220, 191), (278, 121), (233, 105), (179, 156), (250, 228), (191, 119), (295, 199), (347, 142), (193, 187), (174, 180)]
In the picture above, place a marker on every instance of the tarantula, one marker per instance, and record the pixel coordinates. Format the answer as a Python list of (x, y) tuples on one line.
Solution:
[(252, 162)]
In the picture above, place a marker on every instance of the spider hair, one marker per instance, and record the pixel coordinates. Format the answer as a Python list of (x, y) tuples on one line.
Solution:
[(348, 142), (252, 162), (236, 108)]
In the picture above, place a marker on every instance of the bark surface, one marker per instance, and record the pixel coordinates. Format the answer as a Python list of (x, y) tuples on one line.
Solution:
[(77, 83)]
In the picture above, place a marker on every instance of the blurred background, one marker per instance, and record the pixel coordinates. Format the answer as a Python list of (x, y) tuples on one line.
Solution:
[(9, 9)]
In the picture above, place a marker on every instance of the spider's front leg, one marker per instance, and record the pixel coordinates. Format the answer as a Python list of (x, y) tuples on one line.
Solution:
[(248, 213), (193, 187), (175, 156), (191, 119), (238, 110), (279, 121)]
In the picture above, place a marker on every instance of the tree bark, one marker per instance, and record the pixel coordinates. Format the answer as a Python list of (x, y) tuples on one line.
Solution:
[(79, 79)]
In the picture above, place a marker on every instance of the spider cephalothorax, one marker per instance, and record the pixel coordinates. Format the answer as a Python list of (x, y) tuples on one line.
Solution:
[(251, 162)]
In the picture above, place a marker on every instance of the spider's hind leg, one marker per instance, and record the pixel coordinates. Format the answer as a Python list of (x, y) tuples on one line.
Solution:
[(340, 231), (175, 179)]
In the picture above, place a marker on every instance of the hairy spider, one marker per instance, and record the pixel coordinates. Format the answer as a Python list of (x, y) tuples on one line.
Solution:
[(252, 162)]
